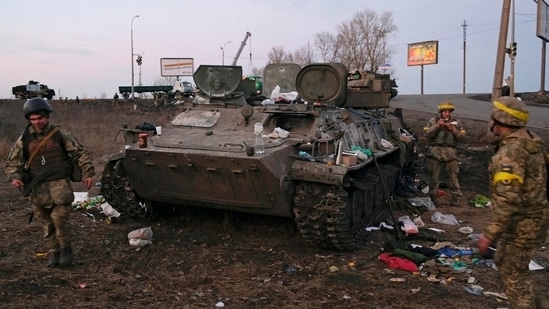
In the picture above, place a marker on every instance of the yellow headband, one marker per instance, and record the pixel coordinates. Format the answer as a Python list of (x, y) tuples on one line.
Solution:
[(518, 114)]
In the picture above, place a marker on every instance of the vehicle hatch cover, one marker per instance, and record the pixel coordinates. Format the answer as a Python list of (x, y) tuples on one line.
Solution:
[(323, 83), (202, 119), (280, 74), (217, 81)]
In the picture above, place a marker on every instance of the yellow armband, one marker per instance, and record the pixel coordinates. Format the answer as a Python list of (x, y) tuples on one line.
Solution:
[(506, 178)]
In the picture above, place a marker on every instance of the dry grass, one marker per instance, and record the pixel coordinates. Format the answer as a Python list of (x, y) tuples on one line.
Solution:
[(93, 122)]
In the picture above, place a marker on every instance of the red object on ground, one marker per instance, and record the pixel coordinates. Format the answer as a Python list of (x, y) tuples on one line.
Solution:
[(441, 193), (398, 262)]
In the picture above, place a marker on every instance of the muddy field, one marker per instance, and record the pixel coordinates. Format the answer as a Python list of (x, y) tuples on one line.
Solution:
[(203, 258)]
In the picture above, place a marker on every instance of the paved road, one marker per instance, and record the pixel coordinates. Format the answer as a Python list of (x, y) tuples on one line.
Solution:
[(466, 107)]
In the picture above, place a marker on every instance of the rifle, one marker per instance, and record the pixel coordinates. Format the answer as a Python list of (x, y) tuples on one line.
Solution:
[(35, 180), (27, 189)]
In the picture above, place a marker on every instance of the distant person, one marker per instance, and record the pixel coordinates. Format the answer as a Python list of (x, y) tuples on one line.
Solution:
[(115, 99), (518, 195), (443, 133), (41, 152), (77, 99), (156, 100)]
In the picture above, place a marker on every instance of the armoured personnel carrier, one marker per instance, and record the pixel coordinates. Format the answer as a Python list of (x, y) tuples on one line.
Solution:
[(331, 160)]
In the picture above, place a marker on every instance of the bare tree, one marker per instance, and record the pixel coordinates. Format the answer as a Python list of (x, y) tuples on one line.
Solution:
[(277, 54), (360, 43), (166, 80), (257, 71), (364, 39), (304, 55), (327, 45)]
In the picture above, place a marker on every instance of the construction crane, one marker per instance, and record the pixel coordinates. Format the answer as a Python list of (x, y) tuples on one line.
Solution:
[(248, 34)]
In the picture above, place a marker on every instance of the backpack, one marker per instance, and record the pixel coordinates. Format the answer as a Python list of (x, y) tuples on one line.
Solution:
[(75, 170)]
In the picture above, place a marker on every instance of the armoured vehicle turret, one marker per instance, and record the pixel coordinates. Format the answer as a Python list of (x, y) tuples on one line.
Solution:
[(331, 158)]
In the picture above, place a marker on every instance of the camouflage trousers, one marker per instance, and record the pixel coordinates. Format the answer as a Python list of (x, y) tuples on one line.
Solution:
[(51, 203), (512, 262), (452, 168)]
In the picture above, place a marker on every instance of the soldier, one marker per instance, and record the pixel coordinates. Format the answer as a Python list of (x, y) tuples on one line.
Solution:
[(442, 133), (518, 179), (51, 193), (115, 99)]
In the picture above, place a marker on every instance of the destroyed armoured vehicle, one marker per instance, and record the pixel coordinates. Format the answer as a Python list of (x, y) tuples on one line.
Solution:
[(331, 159)]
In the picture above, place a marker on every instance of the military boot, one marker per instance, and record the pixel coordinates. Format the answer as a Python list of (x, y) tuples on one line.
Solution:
[(54, 259), (66, 258)]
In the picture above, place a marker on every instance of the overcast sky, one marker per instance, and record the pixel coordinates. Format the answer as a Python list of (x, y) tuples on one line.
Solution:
[(82, 48)]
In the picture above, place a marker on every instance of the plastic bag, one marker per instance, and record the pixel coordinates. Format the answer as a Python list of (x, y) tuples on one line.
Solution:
[(276, 92), (139, 242), (422, 201), (386, 144), (449, 219), (109, 211), (465, 230), (279, 133), (142, 233), (408, 226), (418, 221)]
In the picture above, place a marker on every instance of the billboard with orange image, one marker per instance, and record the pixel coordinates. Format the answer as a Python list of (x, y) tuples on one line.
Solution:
[(423, 53)]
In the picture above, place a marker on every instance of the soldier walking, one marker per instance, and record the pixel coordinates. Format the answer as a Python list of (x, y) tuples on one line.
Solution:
[(42, 153), (518, 180)]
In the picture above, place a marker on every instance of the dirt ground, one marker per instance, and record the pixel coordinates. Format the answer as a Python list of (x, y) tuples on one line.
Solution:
[(203, 258)]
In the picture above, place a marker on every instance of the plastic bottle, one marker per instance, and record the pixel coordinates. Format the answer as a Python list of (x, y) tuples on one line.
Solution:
[(259, 144)]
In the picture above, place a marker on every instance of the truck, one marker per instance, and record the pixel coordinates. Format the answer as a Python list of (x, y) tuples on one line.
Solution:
[(178, 90), (31, 90)]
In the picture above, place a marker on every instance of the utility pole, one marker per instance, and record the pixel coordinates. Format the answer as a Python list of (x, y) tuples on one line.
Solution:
[(543, 51), (501, 50), (464, 25), (513, 52), (131, 33)]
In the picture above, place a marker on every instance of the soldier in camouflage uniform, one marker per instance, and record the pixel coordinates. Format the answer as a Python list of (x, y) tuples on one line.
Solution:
[(443, 132), (51, 197), (518, 196)]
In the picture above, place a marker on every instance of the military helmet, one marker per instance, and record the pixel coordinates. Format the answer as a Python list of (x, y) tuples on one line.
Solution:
[(510, 111), (445, 105), (35, 105)]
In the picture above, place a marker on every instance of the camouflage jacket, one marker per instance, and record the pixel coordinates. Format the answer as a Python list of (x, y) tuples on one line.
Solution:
[(16, 158), (518, 178), (443, 142)]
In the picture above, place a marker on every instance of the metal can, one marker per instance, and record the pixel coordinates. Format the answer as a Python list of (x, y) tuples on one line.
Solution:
[(143, 140)]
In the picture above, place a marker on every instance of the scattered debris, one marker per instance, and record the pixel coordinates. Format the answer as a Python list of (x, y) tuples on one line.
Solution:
[(140, 237)]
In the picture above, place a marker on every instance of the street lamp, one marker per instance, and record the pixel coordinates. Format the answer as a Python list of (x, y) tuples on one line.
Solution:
[(223, 53), (131, 29)]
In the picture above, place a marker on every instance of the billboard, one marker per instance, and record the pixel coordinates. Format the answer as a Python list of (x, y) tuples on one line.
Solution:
[(422, 53), (176, 66), (542, 25)]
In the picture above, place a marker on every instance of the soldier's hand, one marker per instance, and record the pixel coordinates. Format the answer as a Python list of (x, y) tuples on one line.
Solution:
[(483, 243), (88, 182), (441, 122), (17, 183)]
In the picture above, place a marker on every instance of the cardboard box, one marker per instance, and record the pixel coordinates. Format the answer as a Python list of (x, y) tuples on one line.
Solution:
[(348, 159)]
